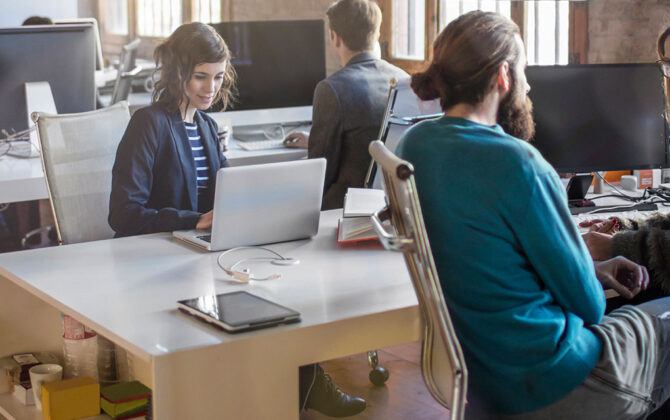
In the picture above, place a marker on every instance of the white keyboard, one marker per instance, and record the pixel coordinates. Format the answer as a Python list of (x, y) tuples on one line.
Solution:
[(261, 144)]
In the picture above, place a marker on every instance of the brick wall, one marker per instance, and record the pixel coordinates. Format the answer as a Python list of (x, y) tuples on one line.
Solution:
[(625, 31)]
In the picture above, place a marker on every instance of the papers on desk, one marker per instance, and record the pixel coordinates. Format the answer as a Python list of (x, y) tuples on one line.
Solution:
[(363, 202), (359, 205)]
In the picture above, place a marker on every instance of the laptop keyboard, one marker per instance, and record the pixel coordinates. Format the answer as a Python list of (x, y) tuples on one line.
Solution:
[(206, 238)]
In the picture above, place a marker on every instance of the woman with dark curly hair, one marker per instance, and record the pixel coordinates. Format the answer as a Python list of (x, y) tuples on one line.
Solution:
[(165, 169)]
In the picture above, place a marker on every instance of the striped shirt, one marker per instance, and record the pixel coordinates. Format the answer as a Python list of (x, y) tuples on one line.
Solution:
[(201, 165)]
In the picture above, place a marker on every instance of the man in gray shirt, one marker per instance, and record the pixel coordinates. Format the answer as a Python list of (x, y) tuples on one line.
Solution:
[(348, 106)]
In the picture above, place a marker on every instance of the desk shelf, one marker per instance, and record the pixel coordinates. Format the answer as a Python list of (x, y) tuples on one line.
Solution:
[(126, 289), (12, 409)]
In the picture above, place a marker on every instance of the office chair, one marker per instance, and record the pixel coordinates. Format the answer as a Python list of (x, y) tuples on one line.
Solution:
[(78, 151), (442, 362), (126, 72), (403, 109)]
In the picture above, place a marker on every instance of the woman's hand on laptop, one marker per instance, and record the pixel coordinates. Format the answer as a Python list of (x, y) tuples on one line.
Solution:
[(297, 140), (205, 221), (622, 275)]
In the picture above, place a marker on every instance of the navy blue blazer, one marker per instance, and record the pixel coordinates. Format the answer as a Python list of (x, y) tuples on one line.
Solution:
[(154, 178)]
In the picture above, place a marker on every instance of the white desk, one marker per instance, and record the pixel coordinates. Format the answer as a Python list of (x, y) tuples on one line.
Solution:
[(352, 299), (23, 179)]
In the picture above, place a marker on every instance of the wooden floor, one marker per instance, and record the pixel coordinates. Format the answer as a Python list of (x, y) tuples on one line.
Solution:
[(403, 397)]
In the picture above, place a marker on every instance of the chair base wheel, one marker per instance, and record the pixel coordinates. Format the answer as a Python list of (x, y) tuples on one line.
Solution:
[(379, 375)]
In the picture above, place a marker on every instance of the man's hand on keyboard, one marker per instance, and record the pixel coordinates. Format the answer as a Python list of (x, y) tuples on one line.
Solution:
[(205, 221), (599, 245), (297, 140)]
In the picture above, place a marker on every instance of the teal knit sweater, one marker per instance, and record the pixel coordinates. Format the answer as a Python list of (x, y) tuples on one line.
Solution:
[(518, 279)]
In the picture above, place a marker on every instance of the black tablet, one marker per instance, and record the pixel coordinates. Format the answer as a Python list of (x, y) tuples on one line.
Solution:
[(238, 311)]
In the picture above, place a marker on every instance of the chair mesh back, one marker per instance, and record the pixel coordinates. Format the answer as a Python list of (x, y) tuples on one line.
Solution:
[(124, 81), (443, 364), (401, 112), (78, 151), (408, 105)]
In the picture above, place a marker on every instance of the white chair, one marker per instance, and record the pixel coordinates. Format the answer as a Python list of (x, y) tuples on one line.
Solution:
[(403, 109), (442, 361), (78, 152)]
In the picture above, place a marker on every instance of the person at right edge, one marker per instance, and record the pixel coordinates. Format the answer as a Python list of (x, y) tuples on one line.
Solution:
[(525, 297), (349, 105), (644, 240)]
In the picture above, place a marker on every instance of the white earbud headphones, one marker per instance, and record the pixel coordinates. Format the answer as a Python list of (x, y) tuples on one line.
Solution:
[(243, 275)]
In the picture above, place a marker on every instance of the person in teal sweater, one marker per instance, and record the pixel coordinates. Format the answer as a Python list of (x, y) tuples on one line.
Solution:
[(525, 297)]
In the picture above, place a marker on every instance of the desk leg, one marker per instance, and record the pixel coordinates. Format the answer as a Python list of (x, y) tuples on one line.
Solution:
[(233, 381)]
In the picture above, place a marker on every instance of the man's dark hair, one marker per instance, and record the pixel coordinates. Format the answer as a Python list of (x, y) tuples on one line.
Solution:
[(37, 20), (466, 58), (356, 22)]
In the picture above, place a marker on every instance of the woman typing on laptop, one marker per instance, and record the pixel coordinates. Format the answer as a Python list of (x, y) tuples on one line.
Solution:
[(164, 175), (166, 163)]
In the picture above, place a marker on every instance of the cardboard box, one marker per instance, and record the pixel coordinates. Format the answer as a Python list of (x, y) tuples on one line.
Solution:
[(71, 399), (24, 393)]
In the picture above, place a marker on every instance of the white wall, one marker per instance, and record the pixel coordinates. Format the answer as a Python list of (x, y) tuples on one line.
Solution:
[(15, 11)]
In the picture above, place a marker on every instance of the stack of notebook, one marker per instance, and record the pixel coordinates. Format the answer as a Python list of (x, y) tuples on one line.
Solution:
[(125, 400), (359, 205)]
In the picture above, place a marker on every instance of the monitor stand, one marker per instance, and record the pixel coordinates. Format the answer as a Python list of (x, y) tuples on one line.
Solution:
[(38, 99), (578, 187)]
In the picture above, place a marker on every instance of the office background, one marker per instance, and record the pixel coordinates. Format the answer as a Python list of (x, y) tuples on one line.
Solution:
[(618, 31)]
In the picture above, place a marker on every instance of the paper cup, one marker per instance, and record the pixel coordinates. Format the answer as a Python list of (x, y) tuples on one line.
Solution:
[(43, 373)]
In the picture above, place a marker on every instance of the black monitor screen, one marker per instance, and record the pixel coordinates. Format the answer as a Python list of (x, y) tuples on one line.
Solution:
[(599, 117), (278, 63), (63, 55)]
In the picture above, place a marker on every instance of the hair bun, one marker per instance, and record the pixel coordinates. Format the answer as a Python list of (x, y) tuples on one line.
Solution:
[(425, 84)]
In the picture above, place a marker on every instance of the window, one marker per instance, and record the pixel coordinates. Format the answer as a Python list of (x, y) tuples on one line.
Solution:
[(547, 28), (117, 17), (158, 18), (451, 9), (207, 11), (553, 30), (123, 21), (409, 29)]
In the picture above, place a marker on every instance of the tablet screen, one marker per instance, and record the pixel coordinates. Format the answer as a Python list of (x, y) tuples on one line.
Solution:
[(238, 308)]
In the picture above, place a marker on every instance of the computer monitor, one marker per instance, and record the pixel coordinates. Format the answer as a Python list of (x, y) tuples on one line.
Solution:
[(278, 63), (63, 55), (599, 117), (99, 60)]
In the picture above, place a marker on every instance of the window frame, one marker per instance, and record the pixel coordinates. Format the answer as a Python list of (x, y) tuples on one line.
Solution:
[(113, 43), (577, 44)]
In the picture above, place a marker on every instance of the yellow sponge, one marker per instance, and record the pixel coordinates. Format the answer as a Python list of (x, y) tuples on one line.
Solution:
[(71, 399)]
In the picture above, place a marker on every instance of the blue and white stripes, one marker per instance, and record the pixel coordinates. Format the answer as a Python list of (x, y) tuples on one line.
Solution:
[(198, 151)]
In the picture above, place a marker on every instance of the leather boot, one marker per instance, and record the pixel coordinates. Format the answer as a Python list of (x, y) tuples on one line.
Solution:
[(326, 398)]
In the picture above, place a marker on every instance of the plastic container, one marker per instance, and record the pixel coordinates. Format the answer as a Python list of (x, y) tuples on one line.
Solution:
[(80, 357)]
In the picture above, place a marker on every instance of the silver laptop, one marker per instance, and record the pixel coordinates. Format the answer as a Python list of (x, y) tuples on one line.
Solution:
[(262, 204)]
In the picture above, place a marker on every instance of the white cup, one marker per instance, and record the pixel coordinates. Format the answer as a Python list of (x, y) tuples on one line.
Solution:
[(43, 373)]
